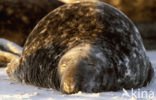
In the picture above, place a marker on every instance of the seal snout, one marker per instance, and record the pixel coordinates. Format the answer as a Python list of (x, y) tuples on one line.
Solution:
[(68, 86)]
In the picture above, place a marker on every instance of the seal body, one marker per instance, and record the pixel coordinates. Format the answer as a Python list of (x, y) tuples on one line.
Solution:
[(87, 46), (18, 17)]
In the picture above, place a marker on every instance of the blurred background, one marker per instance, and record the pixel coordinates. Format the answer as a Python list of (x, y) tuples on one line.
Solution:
[(18, 17)]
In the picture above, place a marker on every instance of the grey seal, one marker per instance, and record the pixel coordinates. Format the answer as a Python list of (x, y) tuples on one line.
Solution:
[(86, 46)]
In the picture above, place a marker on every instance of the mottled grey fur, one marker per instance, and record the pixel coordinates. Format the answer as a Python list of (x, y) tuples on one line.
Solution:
[(90, 47)]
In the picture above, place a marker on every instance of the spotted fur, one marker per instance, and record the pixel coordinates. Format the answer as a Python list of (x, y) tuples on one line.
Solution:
[(87, 46)]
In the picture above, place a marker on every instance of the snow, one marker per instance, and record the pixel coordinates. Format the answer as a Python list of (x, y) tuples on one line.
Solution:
[(10, 90)]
